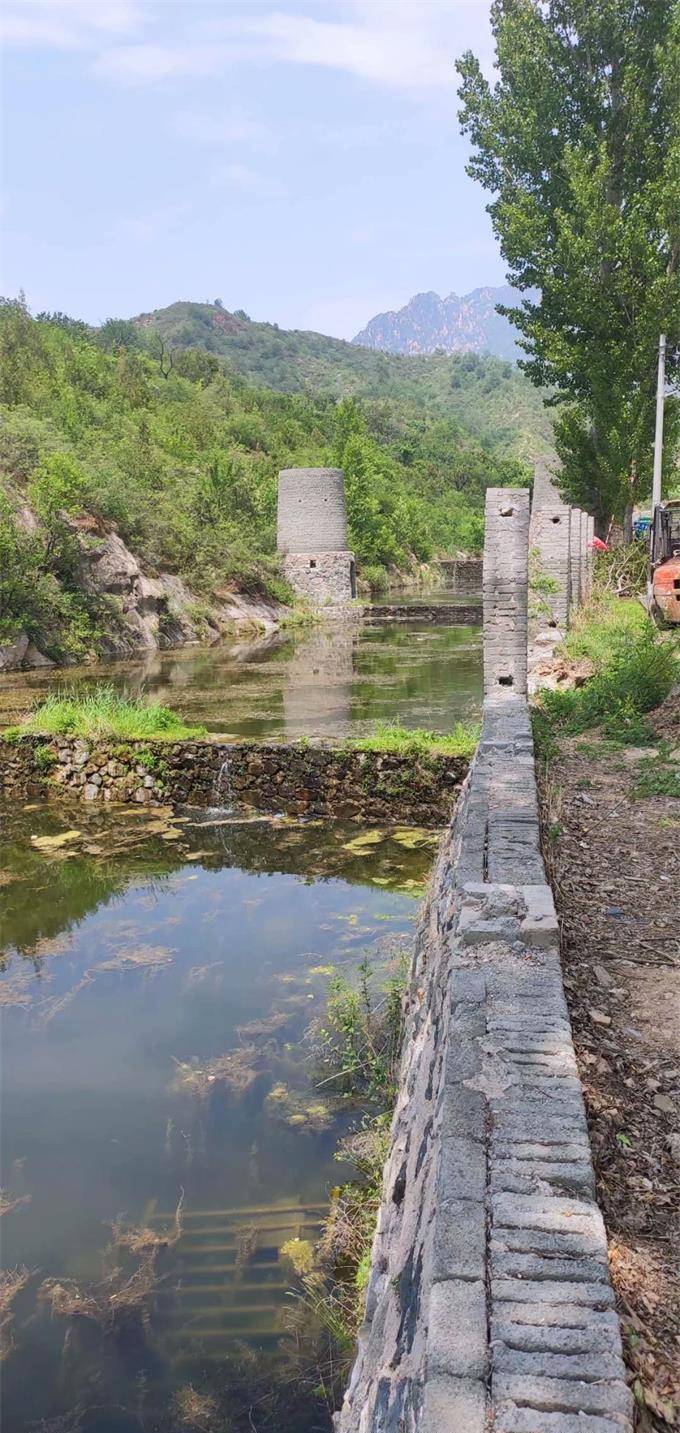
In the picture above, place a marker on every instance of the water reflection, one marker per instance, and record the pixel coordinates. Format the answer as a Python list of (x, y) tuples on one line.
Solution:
[(163, 1132), (333, 681)]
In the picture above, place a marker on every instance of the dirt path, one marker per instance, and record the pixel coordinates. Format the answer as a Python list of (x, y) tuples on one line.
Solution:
[(615, 866)]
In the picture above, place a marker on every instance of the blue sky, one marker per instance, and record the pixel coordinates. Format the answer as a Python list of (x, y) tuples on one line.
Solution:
[(299, 160)]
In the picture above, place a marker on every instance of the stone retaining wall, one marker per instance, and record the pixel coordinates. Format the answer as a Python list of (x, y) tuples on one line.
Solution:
[(445, 614), (489, 1304), (274, 777)]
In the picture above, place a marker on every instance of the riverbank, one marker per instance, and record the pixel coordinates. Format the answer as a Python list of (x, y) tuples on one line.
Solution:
[(610, 819)]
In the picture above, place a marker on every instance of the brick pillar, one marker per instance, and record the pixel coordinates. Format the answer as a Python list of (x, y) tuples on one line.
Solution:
[(505, 587), (550, 532), (590, 554), (575, 575)]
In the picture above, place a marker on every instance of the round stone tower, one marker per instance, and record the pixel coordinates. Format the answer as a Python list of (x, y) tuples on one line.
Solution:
[(312, 535)]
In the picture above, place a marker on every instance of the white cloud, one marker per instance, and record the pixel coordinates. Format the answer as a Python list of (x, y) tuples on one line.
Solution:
[(248, 181), (403, 44), (223, 130), (142, 64), (391, 48), (70, 24)]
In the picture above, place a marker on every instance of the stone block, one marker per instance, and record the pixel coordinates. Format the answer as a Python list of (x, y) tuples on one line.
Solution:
[(548, 1364), (588, 1337), (562, 1394), (509, 1418), (459, 1250), (552, 1291), (453, 1405), (462, 1170), (462, 1112), (457, 1334)]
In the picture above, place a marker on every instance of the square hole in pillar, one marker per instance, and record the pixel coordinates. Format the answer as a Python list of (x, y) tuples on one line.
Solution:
[(506, 681), (312, 562)]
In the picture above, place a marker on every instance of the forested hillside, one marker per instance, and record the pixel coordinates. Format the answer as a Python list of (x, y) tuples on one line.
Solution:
[(490, 398), (178, 453)]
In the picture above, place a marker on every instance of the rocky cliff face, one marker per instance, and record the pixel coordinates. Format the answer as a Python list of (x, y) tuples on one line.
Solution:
[(457, 325), (147, 612)]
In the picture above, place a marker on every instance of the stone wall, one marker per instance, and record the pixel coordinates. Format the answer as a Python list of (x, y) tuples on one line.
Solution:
[(274, 777), (550, 537), (439, 613), (489, 1304), (463, 574), (326, 579), (505, 585), (311, 510)]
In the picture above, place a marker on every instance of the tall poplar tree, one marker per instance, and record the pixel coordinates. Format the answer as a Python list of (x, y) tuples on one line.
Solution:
[(578, 141)]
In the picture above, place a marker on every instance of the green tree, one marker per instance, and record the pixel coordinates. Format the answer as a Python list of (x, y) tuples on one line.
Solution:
[(579, 143)]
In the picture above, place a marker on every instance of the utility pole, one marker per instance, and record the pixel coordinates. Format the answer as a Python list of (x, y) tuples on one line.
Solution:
[(658, 432)]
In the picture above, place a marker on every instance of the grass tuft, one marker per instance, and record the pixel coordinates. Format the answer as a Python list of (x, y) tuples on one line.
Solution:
[(414, 741), (104, 712)]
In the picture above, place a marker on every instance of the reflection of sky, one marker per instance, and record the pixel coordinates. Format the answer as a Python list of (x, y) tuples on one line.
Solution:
[(326, 682)]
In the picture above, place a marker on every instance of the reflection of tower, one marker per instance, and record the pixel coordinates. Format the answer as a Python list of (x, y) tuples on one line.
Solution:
[(318, 683), (312, 535)]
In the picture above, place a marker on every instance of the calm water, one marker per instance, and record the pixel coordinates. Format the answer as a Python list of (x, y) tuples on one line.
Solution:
[(335, 681), (160, 979)]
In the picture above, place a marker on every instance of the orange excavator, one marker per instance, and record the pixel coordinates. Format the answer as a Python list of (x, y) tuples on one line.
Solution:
[(663, 588)]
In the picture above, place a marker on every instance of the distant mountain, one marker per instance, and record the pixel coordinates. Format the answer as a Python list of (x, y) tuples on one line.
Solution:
[(457, 325)]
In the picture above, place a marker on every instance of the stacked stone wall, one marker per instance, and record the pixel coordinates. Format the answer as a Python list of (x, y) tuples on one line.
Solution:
[(323, 578), (295, 779)]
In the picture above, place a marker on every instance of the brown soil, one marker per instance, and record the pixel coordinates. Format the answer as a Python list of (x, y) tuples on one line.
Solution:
[(614, 868)]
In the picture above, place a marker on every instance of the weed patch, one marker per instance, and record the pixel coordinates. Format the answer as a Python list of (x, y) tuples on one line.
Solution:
[(103, 712), (391, 736)]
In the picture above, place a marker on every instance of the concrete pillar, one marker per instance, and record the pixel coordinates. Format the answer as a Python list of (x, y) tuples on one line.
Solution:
[(505, 585), (550, 536), (575, 575)]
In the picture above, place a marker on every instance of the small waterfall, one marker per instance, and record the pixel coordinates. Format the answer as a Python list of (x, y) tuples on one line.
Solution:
[(222, 794)]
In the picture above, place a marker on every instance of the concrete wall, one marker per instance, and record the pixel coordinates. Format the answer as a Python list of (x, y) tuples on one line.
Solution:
[(311, 510), (489, 1304)]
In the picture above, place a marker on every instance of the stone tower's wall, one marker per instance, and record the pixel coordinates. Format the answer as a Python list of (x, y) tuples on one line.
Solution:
[(505, 583), (311, 511), (312, 535)]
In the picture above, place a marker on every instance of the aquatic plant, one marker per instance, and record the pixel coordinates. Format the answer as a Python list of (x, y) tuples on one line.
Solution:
[(12, 1281), (359, 1042), (101, 711), (391, 736)]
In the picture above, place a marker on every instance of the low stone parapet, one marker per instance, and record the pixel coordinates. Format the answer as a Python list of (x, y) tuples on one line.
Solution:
[(293, 778), (489, 1303)]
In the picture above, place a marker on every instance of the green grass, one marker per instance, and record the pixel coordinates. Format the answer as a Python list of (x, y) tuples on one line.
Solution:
[(103, 712), (635, 670), (414, 741), (603, 624)]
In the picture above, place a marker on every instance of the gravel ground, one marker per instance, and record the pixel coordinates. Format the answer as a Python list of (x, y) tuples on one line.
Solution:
[(615, 866)]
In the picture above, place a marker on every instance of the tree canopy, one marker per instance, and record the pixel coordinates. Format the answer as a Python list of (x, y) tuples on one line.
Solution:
[(578, 141)]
